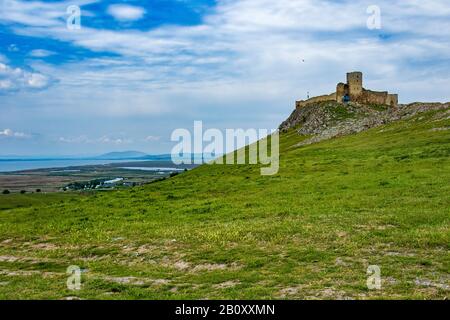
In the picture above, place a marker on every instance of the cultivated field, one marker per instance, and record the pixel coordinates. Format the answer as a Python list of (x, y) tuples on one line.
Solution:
[(55, 179)]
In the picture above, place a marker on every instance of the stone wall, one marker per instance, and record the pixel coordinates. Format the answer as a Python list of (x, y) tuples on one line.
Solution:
[(369, 96), (392, 100), (327, 97)]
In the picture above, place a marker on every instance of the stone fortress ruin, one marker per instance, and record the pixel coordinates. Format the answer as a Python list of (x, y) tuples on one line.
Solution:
[(353, 91)]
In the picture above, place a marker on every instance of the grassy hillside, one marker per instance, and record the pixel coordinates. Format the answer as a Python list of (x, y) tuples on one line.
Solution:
[(17, 200), (380, 197)]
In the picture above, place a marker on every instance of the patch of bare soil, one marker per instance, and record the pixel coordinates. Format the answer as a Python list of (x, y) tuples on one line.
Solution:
[(428, 283), (27, 273), (135, 281), (332, 293), (30, 183), (44, 246), (288, 292), (227, 284)]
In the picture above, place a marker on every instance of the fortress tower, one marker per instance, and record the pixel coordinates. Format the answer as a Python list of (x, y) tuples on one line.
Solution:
[(355, 84), (342, 90)]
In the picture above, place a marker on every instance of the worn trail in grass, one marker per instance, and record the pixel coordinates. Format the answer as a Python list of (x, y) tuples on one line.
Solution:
[(380, 197)]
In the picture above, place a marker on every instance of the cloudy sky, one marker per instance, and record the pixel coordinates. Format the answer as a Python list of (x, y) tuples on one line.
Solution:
[(136, 70)]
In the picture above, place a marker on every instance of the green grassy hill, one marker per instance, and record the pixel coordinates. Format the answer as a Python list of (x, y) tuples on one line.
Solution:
[(380, 197)]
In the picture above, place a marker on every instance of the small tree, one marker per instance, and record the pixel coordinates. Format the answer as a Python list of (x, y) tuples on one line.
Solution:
[(38, 190), (22, 191), (6, 191)]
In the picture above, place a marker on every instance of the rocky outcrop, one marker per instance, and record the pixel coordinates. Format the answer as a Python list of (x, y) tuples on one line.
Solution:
[(325, 120)]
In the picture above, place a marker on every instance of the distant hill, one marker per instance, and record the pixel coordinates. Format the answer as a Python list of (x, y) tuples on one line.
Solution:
[(133, 155), (125, 155)]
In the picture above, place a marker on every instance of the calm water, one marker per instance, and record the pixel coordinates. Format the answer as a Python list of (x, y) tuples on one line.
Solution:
[(14, 165)]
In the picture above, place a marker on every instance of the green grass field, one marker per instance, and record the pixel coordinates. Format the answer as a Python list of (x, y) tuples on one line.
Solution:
[(381, 197), (17, 200)]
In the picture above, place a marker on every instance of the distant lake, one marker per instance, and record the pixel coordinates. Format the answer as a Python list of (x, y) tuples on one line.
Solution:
[(18, 165)]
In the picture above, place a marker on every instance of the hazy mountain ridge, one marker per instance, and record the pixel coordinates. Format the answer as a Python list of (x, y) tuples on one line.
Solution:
[(122, 155)]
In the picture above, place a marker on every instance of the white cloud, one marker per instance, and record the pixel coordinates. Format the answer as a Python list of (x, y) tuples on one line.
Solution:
[(117, 141), (13, 48), (152, 138), (36, 80), (6, 84), (80, 139), (83, 139), (17, 78), (124, 12), (13, 134), (41, 53)]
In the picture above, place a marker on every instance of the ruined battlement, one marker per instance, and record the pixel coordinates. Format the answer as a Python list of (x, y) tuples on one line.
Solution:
[(354, 91)]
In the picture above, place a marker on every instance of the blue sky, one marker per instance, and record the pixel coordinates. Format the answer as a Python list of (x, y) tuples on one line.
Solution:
[(137, 70)]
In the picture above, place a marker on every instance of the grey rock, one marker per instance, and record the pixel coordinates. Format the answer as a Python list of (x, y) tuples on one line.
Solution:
[(326, 120)]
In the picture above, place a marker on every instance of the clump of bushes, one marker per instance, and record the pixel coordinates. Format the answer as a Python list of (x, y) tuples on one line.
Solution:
[(6, 191), (23, 191)]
